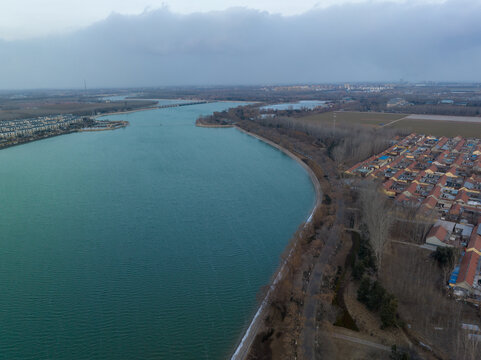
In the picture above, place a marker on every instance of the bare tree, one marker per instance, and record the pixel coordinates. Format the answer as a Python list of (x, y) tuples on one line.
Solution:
[(469, 346), (377, 214), (411, 224)]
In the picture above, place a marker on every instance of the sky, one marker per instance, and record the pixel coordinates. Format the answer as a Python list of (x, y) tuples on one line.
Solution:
[(20, 19), (61, 43)]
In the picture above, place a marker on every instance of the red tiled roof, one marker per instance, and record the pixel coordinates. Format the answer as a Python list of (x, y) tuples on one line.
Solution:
[(443, 141), (459, 161), (396, 161), (475, 240), (430, 202), (387, 185), (460, 144), (378, 171), (442, 155), (455, 209), (411, 188), (438, 232), (402, 198), (443, 180), (419, 177), (452, 170), (435, 193), (467, 270), (398, 173), (462, 197)]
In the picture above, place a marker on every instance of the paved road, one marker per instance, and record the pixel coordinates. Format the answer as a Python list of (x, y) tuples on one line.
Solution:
[(461, 119), (360, 341), (394, 121), (308, 334), (470, 119)]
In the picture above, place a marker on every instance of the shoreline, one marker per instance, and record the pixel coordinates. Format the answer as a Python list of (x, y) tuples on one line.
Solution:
[(213, 126), (242, 349), (124, 112), (30, 140)]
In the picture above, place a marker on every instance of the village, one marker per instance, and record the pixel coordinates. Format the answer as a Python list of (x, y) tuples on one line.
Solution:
[(29, 127), (440, 178)]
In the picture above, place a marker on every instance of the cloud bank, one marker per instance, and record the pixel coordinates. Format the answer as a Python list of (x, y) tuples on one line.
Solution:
[(356, 42)]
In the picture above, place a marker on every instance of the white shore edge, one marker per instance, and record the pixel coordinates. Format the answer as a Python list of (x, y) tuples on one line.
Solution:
[(245, 344)]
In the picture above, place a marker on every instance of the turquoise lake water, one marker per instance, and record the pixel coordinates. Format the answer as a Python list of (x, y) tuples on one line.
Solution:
[(149, 242)]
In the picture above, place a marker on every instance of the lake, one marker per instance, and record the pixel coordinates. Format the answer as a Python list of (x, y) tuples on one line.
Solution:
[(148, 242)]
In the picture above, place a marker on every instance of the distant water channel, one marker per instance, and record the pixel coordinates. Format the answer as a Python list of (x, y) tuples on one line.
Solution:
[(303, 104), (149, 242)]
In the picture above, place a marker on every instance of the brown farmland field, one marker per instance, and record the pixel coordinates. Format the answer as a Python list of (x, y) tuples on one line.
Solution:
[(399, 121), (439, 127), (352, 117)]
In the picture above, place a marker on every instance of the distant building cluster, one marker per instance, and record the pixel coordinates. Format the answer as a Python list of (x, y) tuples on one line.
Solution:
[(28, 127), (367, 88), (441, 178), (397, 102)]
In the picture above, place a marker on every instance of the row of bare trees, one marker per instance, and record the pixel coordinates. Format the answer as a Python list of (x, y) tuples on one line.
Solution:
[(346, 143), (377, 214), (414, 277)]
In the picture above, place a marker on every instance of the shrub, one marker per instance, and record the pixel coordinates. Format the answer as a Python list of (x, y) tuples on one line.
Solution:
[(364, 290), (388, 311), (377, 299)]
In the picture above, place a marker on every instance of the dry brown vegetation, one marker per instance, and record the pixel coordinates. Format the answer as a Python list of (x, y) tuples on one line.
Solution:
[(346, 144), (430, 315), (284, 320), (377, 215), (439, 128), (353, 118), (287, 332), (397, 123), (407, 271)]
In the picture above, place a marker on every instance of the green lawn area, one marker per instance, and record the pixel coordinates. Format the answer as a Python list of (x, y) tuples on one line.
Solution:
[(362, 118)]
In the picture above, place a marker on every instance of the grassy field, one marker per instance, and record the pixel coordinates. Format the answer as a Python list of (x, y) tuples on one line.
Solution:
[(351, 117), (439, 128)]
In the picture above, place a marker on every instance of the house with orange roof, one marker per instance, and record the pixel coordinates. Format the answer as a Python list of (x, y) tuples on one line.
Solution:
[(468, 272), (442, 142), (437, 236), (387, 188), (475, 241), (459, 145), (459, 161), (410, 190), (435, 193), (462, 197), (430, 203)]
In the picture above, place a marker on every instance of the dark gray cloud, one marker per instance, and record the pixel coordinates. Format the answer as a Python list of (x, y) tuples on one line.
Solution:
[(363, 42)]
